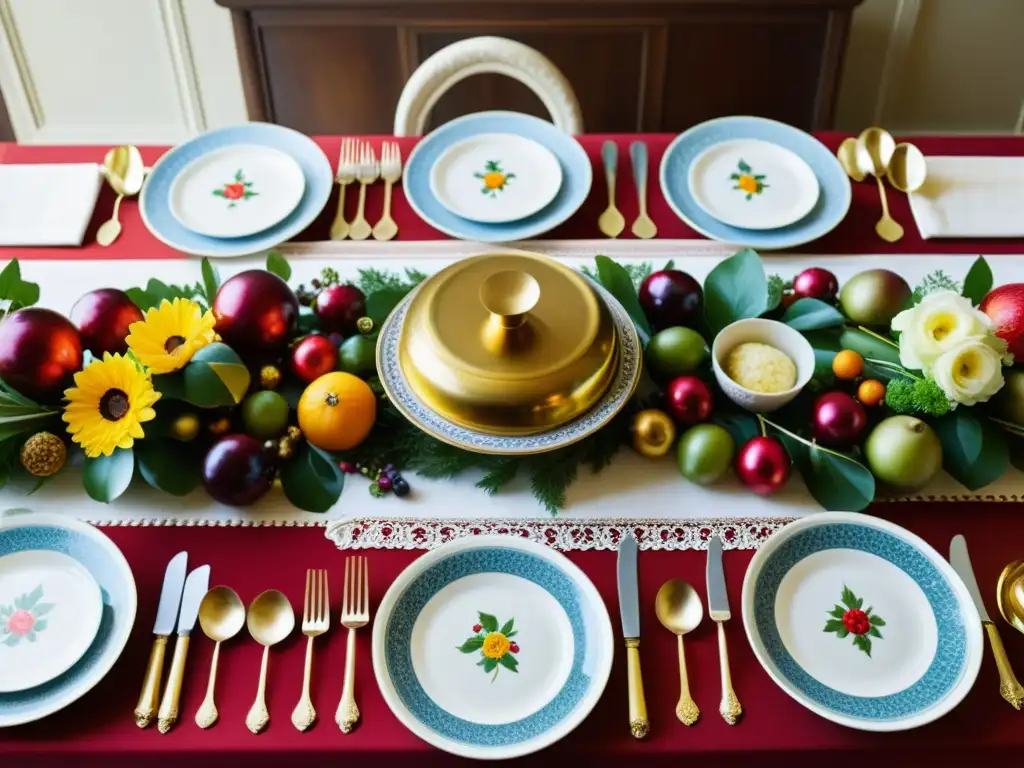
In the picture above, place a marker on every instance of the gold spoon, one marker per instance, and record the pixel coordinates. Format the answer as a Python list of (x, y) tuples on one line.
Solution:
[(847, 154), (124, 171), (221, 616), (907, 168), (680, 610), (875, 148), (643, 227), (611, 222), (1010, 594), (270, 620)]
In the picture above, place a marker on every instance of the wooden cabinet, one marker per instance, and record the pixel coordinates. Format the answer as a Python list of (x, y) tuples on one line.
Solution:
[(338, 66)]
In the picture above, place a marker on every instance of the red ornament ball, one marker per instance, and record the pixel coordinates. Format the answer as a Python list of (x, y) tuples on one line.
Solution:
[(1005, 305), (816, 283), (256, 312), (838, 420), (688, 399), (40, 351), (313, 357), (762, 465), (103, 318), (339, 307), (671, 297)]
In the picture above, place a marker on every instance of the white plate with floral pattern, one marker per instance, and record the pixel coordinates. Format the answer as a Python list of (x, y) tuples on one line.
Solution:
[(753, 184), (237, 190), (50, 612), (496, 178)]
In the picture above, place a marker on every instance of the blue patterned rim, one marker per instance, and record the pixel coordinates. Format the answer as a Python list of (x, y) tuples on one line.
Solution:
[(577, 176), (622, 387), (398, 645), (831, 208), (950, 661), (119, 602), (154, 203)]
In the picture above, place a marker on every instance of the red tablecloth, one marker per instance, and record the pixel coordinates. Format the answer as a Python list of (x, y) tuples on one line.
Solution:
[(98, 730)]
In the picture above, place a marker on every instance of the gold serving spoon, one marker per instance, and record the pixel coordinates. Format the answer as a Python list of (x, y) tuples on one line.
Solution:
[(847, 154), (221, 616), (680, 610), (875, 148), (643, 227), (1010, 594), (611, 222), (907, 169), (270, 620), (125, 172)]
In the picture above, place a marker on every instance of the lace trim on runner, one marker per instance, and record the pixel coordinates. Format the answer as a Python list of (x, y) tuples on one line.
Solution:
[(592, 534)]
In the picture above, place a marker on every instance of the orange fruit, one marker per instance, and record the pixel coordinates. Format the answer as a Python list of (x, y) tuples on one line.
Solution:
[(871, 392), (747, 184), (494, 180), (847, 365), (337, 411)]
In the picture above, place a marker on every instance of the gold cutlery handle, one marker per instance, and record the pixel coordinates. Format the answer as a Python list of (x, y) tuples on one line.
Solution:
[(339, 227), (638, 722), (303, 716), (885, 200), (686, 710), (1009, 688), (168, 714), (258, 716), (730, 708), (385, 229), (149, 699), (348, 713), (360, 229), (207, 713)]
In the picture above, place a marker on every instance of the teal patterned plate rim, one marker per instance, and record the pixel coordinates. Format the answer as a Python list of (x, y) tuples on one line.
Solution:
[(22, 530), (591, 627), (951, 672)]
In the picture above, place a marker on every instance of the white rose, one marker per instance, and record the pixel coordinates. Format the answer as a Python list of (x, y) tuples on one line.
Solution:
[(942, 321), (971, 372)]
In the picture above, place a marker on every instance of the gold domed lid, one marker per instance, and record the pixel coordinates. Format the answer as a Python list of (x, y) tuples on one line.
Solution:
[(508, 344)]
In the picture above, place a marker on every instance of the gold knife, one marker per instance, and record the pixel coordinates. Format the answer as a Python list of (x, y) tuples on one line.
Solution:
[(166, 616)]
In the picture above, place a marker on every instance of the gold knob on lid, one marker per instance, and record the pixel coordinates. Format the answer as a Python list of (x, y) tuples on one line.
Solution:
[(508, 296)]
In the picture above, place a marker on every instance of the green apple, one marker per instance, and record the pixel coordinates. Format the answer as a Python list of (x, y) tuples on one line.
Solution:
[(705, 453), (903, 452), (675, 351)]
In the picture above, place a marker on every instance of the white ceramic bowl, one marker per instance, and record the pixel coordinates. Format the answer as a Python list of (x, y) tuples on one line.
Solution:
[(775, 334)]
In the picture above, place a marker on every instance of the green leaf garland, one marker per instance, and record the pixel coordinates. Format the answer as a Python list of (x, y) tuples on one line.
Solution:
[(617, 281), (312, 480), (975, 451), (107, 477), (168, 466), (278, 265), (735, 289), (380, 304), (812, 315), (978, 282)]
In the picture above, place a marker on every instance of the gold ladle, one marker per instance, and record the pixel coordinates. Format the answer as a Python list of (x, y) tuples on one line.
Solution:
[(875, 148), (125, 172), (270, 620), (907, 169), (680, 610), (221, 616), (1010, 594)]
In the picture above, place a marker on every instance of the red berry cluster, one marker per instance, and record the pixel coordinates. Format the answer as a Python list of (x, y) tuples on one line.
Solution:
[(857, 622)]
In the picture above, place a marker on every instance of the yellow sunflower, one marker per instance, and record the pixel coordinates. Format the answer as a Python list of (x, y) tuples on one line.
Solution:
[(170, 334), (106, 407)]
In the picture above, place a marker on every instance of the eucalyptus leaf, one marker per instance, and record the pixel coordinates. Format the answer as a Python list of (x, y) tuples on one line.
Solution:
[(978, 282), (741, 425), (168, 466), (812, 315), (618, 282), (278, 265), (107, 477), (312, 479), (837, 481), (211, 281), (16, 293), (216, 376), (974, 450), (380, 304), (735, 289)]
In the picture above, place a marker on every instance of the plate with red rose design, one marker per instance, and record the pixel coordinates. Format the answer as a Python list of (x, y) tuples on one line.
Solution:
[(862, 622)]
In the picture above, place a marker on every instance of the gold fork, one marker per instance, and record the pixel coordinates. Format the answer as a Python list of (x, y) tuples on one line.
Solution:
[(346, 174), (315, 619), (368, 173), (355, 613), (391, 172)]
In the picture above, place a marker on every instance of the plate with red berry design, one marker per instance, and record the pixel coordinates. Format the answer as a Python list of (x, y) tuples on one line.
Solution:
[(862, 622)]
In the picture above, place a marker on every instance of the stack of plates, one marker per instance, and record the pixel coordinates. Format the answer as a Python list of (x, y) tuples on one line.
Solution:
[(755, 182), (67, 605), (236, 191), (497, 177)]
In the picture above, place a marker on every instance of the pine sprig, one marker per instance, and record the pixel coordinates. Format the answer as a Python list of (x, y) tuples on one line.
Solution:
[(936, 281), (371, 280), (502, 474)]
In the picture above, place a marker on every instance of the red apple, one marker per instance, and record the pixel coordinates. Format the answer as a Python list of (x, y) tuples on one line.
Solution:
[(256, 312), (671, 297), (39, 352), (838, 420), (762, 465), (103, 318), (237, 471), (816, 283), (1005, 305), (339, 307), (688, 399), (313, 357)]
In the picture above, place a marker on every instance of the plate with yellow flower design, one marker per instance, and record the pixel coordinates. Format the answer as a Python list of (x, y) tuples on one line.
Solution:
[(489, 618), (495, 177)]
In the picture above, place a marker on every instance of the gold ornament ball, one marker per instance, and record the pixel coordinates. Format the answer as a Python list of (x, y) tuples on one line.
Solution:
[(294, 433), (285, 449), (653, 433), (43, 454), (270, 377), (185, 427), (364, 324), (221, 426)]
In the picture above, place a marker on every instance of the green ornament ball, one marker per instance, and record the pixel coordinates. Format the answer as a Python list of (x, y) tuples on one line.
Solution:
[(358, 355), (705, 453), (675, 351), (265, 414)]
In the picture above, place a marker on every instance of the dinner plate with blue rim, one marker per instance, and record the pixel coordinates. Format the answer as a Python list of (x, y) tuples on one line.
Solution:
[(830, 207), (51, 537), (492, 647), (576, 176), (242, 189), (862, 622)]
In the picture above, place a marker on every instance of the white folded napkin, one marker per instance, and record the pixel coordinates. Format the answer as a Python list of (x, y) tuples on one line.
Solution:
[(971, 197), (48, 204)]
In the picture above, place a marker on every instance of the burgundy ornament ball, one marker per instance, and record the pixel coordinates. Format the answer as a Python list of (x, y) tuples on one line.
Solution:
[(816, 283), (256, 312), (671, 297), (40, 351), (688, 399), (339, 307), (237, 471), (838, 420), (103, 318), (762, 465), (313, 357)]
